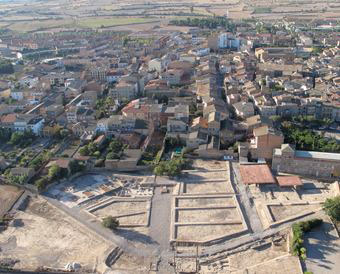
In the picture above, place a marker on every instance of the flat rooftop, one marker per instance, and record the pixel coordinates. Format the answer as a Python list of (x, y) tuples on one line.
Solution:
[(289, 181), (256, 174)]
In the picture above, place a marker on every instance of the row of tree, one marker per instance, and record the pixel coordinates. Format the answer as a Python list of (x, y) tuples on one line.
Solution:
[(22, 138), (170, 168), (114, 149), (56, 173), (206, 22), (306, 139)]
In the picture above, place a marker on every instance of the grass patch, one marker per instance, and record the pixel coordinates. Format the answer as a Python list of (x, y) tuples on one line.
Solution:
[(262, 10)]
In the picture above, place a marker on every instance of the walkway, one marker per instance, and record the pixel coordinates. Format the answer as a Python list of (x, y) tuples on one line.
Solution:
[(160, 221)]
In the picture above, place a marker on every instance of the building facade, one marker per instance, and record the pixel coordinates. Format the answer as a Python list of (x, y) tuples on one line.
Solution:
[(307, 163)]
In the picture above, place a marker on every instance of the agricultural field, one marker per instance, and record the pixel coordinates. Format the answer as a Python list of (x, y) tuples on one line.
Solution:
[(36, 25), (113, 21), (51, 15)]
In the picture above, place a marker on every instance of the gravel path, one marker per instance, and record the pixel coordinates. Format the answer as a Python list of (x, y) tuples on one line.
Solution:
[(161, 219)]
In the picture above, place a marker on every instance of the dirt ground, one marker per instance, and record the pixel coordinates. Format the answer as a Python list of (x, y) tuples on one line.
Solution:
[(208, 164), (205, 232), (8, 196), (212, 175), (43, 236), (256, 256), (137, 212), (201, 187), (281, 265), (268, 258), (122, 208), (138, 219), (281, 212), (207, 215), (131, 264), (205, 202)]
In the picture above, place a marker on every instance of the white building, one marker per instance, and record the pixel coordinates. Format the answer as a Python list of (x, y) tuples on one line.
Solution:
[(156, 64), (226, 41), (17, 94), (200, 52), (29, 122)]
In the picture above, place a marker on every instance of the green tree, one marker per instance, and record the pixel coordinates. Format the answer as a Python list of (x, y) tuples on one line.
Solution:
[(96, 154), (112, 156), (332, 208), (83, 151), (42, 183), (6, 67), (54, 172), (110, 222), (16, 179), (5, 135), (116, 146), (16, 138), (75, 167), (170, 168), (22, 139)]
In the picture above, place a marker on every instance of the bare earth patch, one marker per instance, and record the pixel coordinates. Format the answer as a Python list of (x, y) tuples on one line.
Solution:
[(43, 236), (8, 196)]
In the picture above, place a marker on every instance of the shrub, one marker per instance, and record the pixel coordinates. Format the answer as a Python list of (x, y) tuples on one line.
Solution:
[(42, 183), (332, 208), (76, 166), (96, 154), (298, 232), (170, 168), (54, 172), (110, 222)]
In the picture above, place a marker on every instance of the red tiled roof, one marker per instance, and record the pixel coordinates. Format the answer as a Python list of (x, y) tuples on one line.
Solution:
[(257, 174), (99, 139), (9, 118), (289, 180)]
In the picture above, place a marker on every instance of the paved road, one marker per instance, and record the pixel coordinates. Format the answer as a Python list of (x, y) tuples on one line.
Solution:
[(323, 250)]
